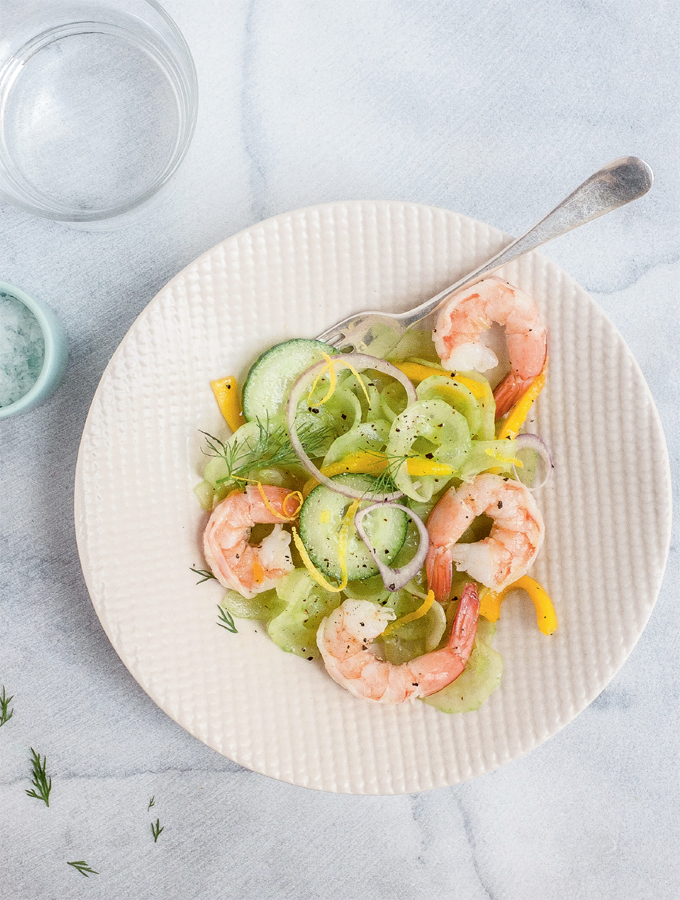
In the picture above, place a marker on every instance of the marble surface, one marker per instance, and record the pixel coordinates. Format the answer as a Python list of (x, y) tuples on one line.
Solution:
[(495, 110)]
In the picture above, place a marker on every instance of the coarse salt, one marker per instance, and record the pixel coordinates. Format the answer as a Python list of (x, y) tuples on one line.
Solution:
[(22, 349)]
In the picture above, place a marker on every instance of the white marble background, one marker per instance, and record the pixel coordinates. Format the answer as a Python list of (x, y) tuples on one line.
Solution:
[(495, 109)]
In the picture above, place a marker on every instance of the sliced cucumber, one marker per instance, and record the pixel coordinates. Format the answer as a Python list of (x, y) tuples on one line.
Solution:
[(272, 376), (320, 521), (306, 604), (262, 606), (481, 677)]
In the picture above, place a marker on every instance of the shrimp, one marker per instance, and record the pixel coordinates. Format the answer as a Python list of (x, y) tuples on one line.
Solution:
[(502, 557), (344, 640), (474, 309), (233, 561)]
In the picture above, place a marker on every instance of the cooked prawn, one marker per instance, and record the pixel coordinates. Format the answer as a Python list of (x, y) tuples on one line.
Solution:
[(502, 557), (233, 561), (470, 312), (344, 639)]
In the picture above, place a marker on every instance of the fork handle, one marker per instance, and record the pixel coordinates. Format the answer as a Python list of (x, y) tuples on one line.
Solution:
[(616, 184)]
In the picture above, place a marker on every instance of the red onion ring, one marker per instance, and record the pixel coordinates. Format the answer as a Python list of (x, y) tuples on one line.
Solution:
[(359, 361), (396, 579), (533, 442)]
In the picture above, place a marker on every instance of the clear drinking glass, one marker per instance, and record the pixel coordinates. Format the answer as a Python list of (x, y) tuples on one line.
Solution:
[(98, 104)]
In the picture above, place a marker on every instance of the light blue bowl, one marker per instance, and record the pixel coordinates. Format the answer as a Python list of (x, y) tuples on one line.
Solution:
[(56, 354)]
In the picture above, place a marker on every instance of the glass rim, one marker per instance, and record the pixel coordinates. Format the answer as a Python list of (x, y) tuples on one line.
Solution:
[(177, 65)]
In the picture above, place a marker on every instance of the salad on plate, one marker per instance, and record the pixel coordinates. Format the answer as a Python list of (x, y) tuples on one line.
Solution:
[(375, 513)]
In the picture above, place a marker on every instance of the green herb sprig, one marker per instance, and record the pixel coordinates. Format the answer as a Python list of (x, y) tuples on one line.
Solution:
[(152, 802), (156, 829), (204, 573), (41, 782), (82, 867), (5, 713), (227, 620), (384, 481), (270, 447)]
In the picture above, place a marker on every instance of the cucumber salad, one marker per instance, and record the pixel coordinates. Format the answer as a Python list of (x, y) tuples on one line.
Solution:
[(375, 513)]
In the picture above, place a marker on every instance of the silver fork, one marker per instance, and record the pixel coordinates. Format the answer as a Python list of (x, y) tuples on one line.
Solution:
[(616, 184)]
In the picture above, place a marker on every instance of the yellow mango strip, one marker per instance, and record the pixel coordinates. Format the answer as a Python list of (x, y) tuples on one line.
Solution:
[(418, 372), (308, 487), (490, 604), (347, 520), (422, 610), (333, 379), (226, 394), (519, 412), (478, 389), (367, 463), (418, 465), (546, 617), (362, 462)]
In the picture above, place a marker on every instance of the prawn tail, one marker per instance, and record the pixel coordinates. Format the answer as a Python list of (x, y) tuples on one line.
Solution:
[(439, 569), (464, 627), (508, 393)]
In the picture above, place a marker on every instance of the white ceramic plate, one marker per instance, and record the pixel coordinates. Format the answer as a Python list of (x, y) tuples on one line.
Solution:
[(607, 509)]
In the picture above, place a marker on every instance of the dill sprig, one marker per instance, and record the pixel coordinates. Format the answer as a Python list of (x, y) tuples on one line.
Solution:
[(226, 618), (41, 782), (204, 573), (152, 802), (271, 446), (82, 867), (156, 829), (5, 713), (384, 481)]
